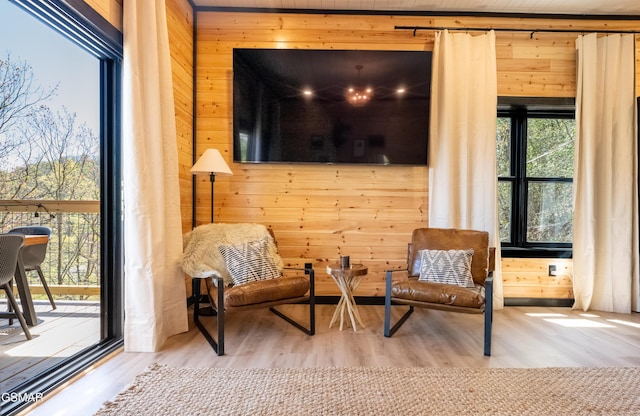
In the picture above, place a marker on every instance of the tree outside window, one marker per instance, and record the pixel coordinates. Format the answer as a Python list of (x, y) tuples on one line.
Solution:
[(49, 143)]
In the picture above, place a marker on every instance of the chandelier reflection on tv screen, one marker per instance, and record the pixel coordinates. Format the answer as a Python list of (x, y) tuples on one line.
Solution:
[(359, 96)]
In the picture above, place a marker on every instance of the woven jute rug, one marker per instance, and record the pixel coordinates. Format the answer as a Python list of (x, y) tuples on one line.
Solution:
[(163, 390)]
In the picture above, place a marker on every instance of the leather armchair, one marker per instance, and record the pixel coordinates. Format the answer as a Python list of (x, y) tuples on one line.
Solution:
[(447, 297), (295, 285)]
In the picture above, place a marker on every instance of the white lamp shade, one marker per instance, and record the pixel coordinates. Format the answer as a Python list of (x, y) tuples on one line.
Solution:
[(211, 161)]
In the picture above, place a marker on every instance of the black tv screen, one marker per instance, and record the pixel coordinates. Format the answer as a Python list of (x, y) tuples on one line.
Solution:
[(297, 106)]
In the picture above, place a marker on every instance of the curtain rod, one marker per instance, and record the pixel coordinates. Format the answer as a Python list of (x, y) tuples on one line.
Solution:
[(501, 29)]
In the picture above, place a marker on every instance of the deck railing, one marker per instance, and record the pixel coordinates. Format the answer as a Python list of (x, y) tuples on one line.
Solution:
[(72, 265)]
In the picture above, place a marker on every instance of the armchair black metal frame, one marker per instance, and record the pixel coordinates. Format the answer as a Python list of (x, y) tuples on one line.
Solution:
[(388, 301), (219, 310)]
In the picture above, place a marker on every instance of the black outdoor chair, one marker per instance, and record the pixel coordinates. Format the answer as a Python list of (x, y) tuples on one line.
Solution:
[(9, 251), (34, 255)]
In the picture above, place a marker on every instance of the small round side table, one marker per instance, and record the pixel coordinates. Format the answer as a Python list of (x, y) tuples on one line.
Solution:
[(347, 279)]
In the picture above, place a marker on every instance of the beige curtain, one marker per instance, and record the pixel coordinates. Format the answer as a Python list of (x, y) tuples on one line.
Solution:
[(605, 222), (155, 295), (463, 182)]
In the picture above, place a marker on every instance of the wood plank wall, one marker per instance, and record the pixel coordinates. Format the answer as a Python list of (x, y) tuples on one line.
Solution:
[(321, 212), (111, 10), (180, 27), (180, 20)]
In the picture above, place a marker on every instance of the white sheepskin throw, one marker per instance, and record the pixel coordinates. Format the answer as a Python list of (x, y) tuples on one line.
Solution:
[(201, 257)]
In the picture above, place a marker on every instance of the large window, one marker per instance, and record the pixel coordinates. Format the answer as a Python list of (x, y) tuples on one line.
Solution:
[(535, 146), (60, 65)]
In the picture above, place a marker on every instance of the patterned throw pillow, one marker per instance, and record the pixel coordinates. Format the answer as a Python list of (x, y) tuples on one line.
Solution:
[(249, 262), (451, 267)]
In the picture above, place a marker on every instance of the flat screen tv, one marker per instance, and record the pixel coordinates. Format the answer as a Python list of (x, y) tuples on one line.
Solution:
[(307, 106)]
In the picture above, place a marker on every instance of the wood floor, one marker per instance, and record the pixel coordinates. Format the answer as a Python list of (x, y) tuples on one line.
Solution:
[(60, 333), (522, 337)]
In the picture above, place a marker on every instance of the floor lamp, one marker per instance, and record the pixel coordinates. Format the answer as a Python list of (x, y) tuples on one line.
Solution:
[(212, 163)]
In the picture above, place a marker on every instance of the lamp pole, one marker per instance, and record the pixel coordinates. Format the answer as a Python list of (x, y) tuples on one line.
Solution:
[(212, 178)]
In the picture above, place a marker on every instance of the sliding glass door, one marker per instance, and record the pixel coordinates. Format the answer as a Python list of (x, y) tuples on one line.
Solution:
[(59, 169)]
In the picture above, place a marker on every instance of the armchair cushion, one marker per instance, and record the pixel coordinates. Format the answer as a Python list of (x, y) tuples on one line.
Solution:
[(439, 293), (249, 261), (263, 291), (446, 266)]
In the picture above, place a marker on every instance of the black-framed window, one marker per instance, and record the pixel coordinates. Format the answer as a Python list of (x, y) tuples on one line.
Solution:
[(535, 152)]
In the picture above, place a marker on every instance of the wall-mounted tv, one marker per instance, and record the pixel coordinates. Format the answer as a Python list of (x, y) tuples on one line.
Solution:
[(295, 106)]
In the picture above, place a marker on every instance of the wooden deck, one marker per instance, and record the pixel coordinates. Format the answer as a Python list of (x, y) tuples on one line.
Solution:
[(60, 333)]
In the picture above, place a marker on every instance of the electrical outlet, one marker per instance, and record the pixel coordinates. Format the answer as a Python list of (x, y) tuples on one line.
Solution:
[(552, 270)]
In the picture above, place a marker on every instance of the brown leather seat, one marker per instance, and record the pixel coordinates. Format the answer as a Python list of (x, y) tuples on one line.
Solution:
[(439, 293), (448, 297), (263, 292)]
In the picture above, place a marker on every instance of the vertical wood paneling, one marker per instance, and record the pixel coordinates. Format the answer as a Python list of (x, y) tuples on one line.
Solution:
[(320, 212)]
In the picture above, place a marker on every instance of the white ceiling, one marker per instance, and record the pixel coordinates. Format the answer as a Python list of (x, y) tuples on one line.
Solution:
[(575, 7)]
